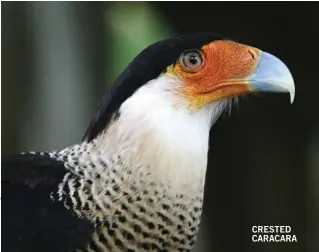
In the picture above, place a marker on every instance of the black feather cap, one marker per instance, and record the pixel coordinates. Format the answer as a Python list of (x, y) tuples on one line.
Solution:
[(146, 66)]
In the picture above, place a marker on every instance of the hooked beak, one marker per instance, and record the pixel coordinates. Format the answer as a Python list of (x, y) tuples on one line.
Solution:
[(272, 75), (231, 69)]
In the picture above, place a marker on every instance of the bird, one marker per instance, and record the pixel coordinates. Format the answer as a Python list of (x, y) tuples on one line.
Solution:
[(135, 182)]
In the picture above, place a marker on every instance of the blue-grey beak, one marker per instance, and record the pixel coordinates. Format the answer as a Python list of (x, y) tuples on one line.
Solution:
[(272, 75)]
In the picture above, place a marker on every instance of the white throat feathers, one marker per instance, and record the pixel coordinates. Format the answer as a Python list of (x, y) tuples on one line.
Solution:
[(157, 131)]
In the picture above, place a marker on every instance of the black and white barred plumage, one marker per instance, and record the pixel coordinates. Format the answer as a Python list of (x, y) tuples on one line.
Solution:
[(111, 192), (116, 211), (136, 181)]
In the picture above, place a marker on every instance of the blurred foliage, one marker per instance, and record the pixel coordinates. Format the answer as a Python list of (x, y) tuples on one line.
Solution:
[(131, 27)]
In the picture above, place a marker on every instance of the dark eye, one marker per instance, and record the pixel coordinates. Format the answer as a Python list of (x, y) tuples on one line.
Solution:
[(191, 60)]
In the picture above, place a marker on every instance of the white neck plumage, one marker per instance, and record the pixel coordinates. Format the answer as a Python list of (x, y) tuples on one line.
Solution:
[(157, 131)]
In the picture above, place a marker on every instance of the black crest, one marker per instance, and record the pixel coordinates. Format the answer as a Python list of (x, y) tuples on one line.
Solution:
[(148, 65)]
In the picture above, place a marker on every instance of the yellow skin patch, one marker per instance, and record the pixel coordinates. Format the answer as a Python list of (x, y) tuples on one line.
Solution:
[(224, 72)]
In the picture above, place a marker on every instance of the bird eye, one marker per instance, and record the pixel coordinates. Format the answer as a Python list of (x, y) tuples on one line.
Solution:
[(191, 61)]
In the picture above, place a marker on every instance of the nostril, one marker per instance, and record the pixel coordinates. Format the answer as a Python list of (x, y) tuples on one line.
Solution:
[(252, 54)]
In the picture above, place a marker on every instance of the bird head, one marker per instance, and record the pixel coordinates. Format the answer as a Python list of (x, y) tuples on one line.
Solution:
[(159, 111), (224, 69), (193, 72)]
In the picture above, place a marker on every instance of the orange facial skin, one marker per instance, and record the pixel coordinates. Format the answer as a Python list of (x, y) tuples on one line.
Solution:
[(224, 72)]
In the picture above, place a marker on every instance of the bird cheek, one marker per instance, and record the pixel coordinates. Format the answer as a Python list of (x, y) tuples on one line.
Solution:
[(228, 91), (217, 92), (227, 68)]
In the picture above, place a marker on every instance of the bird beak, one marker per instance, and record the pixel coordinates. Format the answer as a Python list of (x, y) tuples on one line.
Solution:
[(271, 75), (231, 69)]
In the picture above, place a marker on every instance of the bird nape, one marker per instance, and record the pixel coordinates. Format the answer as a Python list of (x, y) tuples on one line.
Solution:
[(136, 181)]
